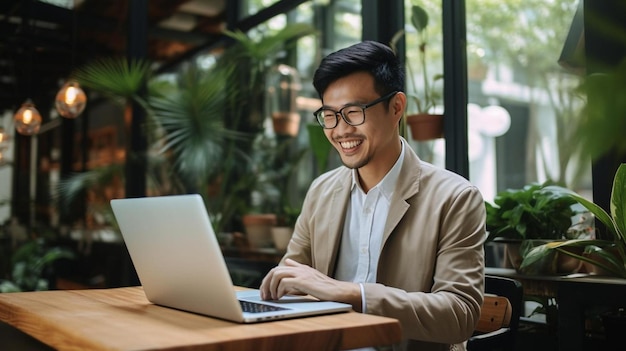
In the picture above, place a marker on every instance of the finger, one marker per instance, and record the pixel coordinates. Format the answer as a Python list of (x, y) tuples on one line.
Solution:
[(274, 283), (292, 263), (264, 289), (285, 288)]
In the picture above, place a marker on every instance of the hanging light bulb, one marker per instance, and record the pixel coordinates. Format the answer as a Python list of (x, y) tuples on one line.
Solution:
[(4, 137), (27, 119), (71, 100), (4, 141)]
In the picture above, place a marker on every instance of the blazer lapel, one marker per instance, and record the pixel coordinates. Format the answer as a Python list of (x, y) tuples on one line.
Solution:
[(331, 224), (408, 185)]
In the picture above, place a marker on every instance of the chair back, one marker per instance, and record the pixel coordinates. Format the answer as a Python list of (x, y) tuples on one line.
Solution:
[(499, 316), (494, 314)]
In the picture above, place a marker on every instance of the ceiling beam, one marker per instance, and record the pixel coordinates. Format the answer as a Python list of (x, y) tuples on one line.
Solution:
[(244, 25)]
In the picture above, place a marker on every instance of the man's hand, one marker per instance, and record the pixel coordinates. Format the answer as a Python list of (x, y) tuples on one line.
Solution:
[(294, 278)]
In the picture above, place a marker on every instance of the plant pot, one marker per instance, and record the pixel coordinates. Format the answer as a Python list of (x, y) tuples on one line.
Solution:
[(555, 262), (425, 126), (281, 237), (545, 266), (512, 257), (566, 264), (286, 124), (593, 269), (259, 229)]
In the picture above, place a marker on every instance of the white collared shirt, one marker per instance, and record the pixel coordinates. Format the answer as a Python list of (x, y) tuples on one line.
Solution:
[(364, 226)]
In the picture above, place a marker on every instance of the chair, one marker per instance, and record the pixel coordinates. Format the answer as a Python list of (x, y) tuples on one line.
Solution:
[(499, 315)]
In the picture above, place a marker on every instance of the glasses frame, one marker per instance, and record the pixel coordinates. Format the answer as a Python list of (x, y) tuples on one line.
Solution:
[(345, 119)]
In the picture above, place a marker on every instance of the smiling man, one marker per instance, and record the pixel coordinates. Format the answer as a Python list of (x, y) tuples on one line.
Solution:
[(388, 233)]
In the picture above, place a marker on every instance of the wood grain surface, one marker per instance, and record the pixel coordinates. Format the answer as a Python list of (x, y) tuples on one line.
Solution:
[(123, 319)]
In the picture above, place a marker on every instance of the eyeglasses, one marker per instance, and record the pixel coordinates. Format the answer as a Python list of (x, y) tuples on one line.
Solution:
[(353, 114)]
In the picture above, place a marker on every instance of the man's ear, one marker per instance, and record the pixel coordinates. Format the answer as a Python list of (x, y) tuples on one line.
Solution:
[(398, 104)]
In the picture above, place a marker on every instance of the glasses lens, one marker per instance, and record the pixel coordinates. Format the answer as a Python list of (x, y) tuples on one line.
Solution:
[(327, 118), (354, 115)]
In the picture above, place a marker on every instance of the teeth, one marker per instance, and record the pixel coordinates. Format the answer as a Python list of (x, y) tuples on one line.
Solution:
[(350, 144)]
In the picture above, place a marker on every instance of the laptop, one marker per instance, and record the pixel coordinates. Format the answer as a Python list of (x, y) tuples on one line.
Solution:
[(180, 264)]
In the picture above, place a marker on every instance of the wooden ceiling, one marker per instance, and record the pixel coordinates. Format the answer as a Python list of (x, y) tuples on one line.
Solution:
[(41, 42)]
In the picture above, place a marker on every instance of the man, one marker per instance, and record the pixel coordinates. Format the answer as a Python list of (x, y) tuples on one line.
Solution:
[(388, 233)]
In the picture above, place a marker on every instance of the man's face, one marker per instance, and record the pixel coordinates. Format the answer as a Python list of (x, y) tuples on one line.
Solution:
[(369, 144)]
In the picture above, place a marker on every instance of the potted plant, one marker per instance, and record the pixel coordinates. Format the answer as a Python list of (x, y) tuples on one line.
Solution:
[(600, 133), (30, 263), (424, 124), (272, 164), (186, 131), (260, 56), (609, 255), (521, 218)]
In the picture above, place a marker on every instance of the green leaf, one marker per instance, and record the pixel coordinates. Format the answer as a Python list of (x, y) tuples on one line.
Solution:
[(320, 146), (419, 18), (529, 213), (114, 77), (618, 202), (598, 211), (191, 115)]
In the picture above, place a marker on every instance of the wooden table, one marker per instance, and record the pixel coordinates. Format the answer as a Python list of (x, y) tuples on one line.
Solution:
[(574, 294), (123, 319)]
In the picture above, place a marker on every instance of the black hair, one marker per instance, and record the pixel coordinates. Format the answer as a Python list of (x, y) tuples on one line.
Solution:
[(368, 56)]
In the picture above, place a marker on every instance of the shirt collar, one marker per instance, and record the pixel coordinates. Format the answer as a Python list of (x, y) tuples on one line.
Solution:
[(388, 183)]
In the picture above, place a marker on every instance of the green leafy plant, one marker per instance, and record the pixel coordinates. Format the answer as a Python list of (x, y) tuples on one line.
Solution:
[(116, 78), (272, 165), (609, 255), (29, 263), (532, 212), (430, 96), (252, 58)]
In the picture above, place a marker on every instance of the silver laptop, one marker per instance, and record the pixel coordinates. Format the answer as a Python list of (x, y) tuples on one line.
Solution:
[(180, 264)]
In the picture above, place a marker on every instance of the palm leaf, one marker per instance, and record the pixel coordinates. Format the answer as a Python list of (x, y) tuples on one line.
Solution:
[(191, 116), (114, 77), (71, 187), (269, 46)]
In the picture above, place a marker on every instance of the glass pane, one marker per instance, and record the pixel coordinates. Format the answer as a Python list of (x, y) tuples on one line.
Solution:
[(253, 6), (424, 71), (522, 103)]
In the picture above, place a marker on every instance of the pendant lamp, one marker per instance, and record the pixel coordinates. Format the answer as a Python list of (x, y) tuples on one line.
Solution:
[(70, 100), (27, 119)]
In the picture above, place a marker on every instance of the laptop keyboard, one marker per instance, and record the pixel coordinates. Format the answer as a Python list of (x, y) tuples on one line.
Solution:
[(253, 307)]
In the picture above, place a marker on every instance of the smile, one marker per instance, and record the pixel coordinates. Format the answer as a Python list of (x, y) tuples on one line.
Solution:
[(350, 144)]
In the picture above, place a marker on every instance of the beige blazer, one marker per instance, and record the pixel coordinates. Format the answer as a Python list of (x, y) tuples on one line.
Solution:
[(431, 268)]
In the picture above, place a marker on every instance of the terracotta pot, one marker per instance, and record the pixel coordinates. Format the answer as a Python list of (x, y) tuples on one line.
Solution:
[(259, 229), (554, 263), (566, 264), (425, 126), (594, 269), (286, 123)]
